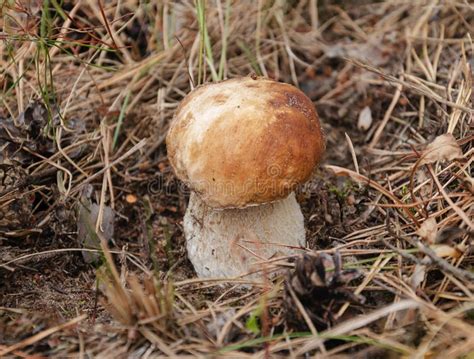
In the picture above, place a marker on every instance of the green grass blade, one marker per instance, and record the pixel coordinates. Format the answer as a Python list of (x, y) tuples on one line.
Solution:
[(120, 120)]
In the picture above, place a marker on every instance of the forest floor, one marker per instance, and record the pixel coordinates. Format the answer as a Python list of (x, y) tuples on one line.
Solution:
[(92, 255)]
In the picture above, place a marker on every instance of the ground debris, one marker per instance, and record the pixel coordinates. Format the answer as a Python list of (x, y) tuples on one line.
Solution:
[(24, 141), (443, 148), (88, 93)]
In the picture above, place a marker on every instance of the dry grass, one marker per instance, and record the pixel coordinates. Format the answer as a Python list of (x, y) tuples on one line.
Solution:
[(103, 80)]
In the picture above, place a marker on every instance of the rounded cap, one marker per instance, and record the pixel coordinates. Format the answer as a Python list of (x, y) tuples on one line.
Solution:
[(245, 141)]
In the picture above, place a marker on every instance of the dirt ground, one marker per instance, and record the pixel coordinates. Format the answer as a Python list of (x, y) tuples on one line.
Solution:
[(93, 260)]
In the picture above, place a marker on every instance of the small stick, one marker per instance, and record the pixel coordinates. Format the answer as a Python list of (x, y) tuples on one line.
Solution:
[(390, 109)]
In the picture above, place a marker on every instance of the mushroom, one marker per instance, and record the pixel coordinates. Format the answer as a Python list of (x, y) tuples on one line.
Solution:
[(242, 146)]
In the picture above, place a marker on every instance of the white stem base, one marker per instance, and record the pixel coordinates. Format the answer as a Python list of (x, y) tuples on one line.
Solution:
[(230, 242)]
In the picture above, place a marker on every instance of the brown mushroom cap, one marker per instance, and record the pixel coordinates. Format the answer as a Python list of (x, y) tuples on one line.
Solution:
[(244, 141)]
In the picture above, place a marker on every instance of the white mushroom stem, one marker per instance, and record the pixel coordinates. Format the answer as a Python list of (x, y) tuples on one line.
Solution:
[(231, 242)]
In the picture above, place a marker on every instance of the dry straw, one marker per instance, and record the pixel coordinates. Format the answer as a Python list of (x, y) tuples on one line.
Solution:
[(120, 68)]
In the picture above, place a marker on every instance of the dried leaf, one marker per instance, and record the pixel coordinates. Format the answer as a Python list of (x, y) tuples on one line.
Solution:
[(418, 276), (428, 230), (444, 250), (87, 218), (373, 51), (443, 148), (34, 120)]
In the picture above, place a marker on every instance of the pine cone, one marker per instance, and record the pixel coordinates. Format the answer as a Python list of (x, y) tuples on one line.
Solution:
[(319, 282)]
